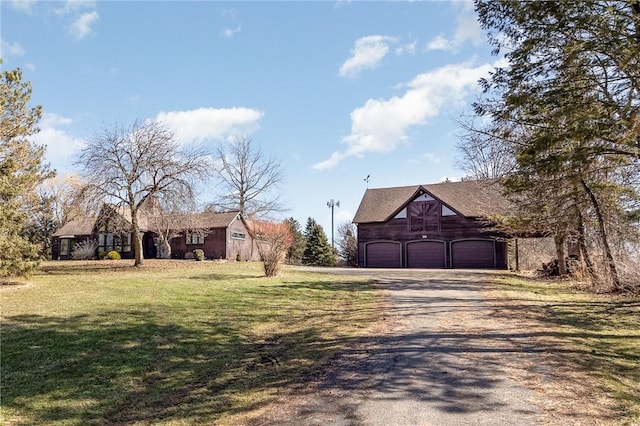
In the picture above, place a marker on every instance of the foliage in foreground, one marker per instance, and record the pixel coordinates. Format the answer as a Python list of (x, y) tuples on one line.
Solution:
[(174, 343), (21, 170)]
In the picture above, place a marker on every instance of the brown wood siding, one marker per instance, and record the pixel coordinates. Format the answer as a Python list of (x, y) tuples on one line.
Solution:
[(383, 254), (426, 254), (244, 247), (451, 228)]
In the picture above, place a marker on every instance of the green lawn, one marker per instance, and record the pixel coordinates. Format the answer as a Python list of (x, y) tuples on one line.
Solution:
[(602, 331), (175, 342)]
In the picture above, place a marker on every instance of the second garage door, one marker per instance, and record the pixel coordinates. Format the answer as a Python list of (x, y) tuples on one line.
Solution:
[(473, 254), (426, 254), (384, 254)]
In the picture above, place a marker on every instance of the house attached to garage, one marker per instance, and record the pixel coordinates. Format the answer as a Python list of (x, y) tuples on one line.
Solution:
[(441, 225)]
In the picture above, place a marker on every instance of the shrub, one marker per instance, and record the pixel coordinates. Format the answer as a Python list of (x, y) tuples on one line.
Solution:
[(238, 257), (85, 250), (113, 255), (198, 254), (102, 254)]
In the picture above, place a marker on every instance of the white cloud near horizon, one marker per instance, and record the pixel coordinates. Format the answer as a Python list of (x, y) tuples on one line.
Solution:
[(381, 125), (368, 53), (211, 123), (81, 27), (61, 147)]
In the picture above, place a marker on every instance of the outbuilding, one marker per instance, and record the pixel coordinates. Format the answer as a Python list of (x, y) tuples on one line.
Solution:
[(442, 225)]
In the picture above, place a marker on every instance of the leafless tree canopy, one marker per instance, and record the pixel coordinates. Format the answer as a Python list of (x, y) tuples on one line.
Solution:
[(248, 178), (128, 165)]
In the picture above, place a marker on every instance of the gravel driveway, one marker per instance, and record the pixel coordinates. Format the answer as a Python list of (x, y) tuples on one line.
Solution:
[(442, 359)]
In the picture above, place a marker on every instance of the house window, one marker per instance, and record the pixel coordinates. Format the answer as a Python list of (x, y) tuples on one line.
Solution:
[(238, 235), (446, 211), (109, 241), (402, 214), (195, 238), (65, 247), (424, 216)]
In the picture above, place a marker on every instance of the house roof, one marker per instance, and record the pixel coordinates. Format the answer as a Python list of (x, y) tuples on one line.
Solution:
[(214, 220), (472, 198), (76, 228)]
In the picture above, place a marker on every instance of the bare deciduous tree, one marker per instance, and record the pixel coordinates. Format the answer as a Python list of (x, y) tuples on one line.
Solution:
[(348, 243), (128, 165), (249, 179)]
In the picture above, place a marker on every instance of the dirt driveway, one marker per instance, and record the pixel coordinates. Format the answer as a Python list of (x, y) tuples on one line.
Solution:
[(444, 358)]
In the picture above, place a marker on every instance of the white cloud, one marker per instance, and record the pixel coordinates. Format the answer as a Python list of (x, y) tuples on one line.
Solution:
[(381, 125), (25, 6), (467, 29), (61, 146), (368, 52), (407, 49), (10, 49), (440, 43), (72, 6), (205, 123), (230, 32), (81, 27)]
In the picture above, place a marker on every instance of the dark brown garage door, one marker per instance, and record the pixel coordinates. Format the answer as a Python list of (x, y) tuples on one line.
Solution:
[(473, 254), (426, 254), (383, 255)]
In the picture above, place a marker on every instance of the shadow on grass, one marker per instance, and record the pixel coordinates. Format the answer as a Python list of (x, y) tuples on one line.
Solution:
[(125, 367)]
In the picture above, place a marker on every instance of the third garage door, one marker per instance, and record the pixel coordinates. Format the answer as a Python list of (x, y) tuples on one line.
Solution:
[(473, 254), (426, 254)]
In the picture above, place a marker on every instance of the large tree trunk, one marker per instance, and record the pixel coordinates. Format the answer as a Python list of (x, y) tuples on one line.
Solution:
[(137, 238), (559, 239), (611, 264), (166, 248), (585, 257)]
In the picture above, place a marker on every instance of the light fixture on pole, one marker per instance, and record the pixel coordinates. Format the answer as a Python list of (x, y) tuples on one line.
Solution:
[(331, 204)]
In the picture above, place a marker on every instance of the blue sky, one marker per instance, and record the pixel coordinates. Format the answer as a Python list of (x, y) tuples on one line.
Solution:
[(337, 91)]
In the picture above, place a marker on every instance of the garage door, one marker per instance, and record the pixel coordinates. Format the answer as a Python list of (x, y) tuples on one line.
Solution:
[(383, 255), (473, 254), (426, 254)]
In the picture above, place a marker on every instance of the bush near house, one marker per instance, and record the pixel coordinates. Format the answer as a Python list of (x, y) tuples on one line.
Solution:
[(198, 255)]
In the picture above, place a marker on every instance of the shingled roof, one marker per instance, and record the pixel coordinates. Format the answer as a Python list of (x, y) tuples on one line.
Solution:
[(471, 198), (76, 228)]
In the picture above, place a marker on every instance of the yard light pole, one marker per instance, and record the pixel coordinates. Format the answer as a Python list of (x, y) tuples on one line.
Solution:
[(331, 204)]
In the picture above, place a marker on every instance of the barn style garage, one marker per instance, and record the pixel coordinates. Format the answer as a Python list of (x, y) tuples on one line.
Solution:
[(441, 225)]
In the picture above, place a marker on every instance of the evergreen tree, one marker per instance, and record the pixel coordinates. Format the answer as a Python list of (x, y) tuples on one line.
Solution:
[(318, 251), (296, 251), (565, 103), (21, 170)]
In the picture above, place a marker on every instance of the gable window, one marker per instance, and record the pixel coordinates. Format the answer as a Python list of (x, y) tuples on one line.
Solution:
[(195, 237), (446, 211), (424, 216), (402, 214), (238, 235)]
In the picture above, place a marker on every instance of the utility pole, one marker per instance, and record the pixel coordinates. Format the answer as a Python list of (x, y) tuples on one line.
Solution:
[(331, 204)]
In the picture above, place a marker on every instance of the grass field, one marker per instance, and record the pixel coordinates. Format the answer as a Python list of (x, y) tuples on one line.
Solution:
[(600, 333), (174, 342)]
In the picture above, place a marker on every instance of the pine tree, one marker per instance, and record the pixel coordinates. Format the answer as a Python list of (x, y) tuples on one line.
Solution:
[(21, 170), (318, 251), (296, 251)]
